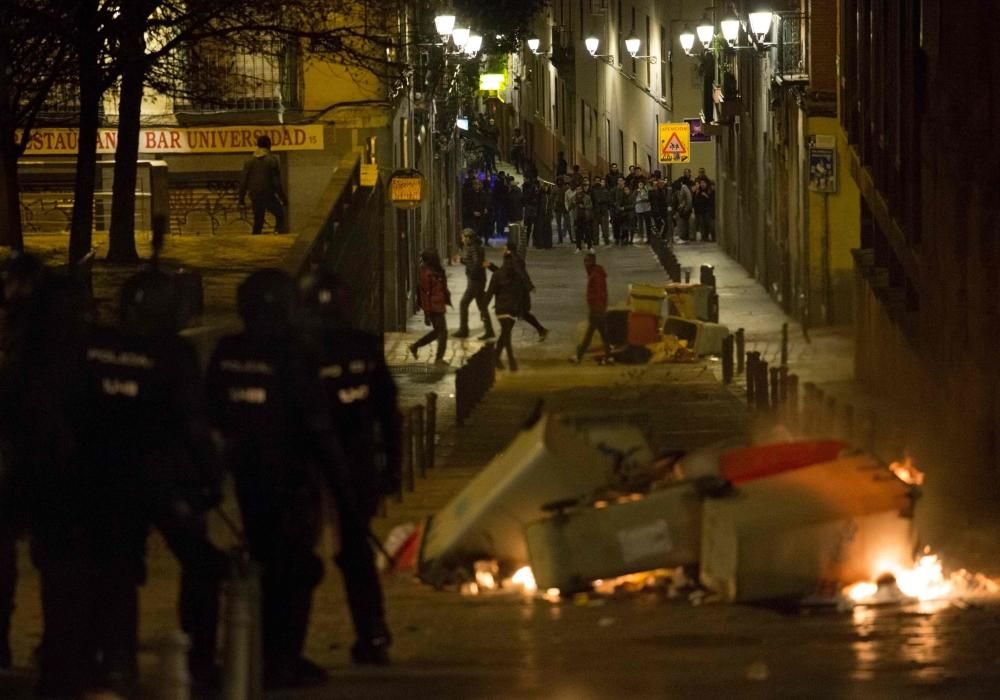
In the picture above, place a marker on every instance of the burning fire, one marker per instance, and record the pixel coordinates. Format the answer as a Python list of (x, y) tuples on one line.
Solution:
[(524, 578), (924, 580), (906, 472)]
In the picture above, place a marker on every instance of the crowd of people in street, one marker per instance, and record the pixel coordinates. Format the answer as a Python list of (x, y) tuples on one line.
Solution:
[(588, 210), (110, 431)]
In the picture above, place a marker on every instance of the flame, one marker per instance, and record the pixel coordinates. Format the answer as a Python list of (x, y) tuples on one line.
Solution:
[(923, 580), (486, 574), (906, 472), (524, 578)]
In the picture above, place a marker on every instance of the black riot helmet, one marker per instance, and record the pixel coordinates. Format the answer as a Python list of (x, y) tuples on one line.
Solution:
[(326, 298), (149, 304), (266, 301)]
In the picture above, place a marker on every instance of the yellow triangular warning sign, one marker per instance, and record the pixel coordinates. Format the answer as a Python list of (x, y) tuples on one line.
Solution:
[(673, 147)]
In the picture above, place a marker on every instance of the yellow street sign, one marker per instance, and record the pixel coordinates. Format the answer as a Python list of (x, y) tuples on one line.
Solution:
[(369, 174), (675, 142)]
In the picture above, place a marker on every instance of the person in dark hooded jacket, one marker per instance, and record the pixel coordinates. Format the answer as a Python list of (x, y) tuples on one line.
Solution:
[(507, 288), (262, 179)]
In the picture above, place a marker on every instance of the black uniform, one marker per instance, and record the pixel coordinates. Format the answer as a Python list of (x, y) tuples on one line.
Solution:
[(362, 398), (267, 400), (145, 454)]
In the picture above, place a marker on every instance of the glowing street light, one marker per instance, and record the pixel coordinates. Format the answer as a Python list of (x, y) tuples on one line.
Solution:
[(473, 45), (460, 35), (592, 42), (730, 29), (687, 40), (760, 24), (444, 24), (632, 45), (533, 44), (706, 31)]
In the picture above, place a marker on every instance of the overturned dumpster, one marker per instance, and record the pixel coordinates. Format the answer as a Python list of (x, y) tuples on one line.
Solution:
[(588, 502), (550, 461)]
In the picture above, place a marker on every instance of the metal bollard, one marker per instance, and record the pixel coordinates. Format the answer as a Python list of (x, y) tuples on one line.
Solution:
[(794, 415), (242, 660), (431, 446), (727, 359), (687, 274), (751, 379), (409, 478), (847, 423), (783, 383), (741, 346), (784, 344), (775, 388), (830, 416), (763, 400), (809, 409), (175, 681), (417, 433)]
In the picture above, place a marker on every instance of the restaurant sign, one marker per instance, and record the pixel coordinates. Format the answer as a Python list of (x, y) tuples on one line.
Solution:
[(406, 189), (171, 140)]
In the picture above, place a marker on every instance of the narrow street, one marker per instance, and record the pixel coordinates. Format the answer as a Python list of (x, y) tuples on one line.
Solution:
[(506, 645)]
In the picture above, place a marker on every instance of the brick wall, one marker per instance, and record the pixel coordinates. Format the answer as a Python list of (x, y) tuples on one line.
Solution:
[(822, 45)]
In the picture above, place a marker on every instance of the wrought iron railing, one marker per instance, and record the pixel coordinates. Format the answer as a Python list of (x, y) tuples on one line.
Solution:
[(792, 59), (223, 77)]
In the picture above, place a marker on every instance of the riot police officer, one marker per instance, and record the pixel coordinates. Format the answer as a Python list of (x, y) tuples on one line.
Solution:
[(267, 402), (145, 454), (20, 279), (362, 398)]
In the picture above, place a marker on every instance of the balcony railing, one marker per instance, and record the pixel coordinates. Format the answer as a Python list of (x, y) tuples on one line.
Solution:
[(226, 78), (792, 55)]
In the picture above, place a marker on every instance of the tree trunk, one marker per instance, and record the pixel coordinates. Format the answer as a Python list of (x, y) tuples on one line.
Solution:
[(121, 236), (82, 225), (10, 200)]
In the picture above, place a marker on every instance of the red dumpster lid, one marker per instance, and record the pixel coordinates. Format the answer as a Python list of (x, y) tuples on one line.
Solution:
[(749, 463)]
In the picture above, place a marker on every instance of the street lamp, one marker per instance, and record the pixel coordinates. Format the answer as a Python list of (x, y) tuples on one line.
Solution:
[(730, 29), (632, 44), (592, 42), (473, 45), (444, 23), (460, 35), (533, 44), (706, 31), (687, 39), (760, 24)]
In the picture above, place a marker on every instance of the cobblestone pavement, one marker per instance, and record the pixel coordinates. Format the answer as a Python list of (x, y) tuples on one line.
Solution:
[(638, 646)]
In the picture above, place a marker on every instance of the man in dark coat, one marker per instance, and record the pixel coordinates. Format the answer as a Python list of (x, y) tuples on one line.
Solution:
[(473, 256), (262, 179), (507, 287)]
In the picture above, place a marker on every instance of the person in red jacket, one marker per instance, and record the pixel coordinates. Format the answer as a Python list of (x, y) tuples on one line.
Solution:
[(597, 304), (434, 300)]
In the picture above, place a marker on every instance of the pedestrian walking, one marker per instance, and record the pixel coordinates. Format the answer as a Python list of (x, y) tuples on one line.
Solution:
[(527, 289), (434, 300), (515, 212), (507, 289), (597, 305), (498, 199), (660, 205), (531, 194), (262, 180), (571, 210), (269, 405), (362, 399), (562, 167), (473, 256)]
